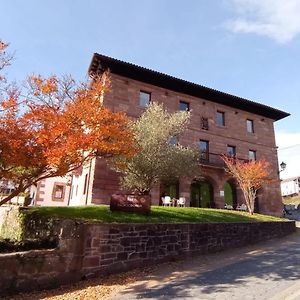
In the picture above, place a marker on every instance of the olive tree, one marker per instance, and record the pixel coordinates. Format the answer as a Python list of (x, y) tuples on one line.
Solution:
[(160, 156)]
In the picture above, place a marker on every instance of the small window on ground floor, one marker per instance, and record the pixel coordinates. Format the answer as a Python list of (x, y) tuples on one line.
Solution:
[(58, 192)]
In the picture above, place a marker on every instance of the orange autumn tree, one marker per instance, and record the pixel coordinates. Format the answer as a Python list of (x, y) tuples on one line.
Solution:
[(56, 128), (250, 175)]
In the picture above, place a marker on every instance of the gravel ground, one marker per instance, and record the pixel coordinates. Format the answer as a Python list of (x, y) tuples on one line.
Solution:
[(97, 288)]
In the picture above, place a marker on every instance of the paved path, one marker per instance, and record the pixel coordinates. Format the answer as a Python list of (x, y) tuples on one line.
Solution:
[(269, 270), (293, 215)]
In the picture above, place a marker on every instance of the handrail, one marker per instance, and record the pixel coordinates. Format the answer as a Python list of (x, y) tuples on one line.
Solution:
[(213, 159)]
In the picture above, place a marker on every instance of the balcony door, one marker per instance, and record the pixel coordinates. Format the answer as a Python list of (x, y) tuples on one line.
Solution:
[(204, 150)]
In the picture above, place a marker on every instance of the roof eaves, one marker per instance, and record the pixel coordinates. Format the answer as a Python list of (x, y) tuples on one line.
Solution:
[(101, 62)]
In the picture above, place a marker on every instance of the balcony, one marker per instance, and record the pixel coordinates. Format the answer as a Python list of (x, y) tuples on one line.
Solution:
[(213, 159)]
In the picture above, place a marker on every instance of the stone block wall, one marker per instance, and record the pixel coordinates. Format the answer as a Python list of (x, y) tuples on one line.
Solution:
[(37, 270), (90, 250), (124, 96), (113, 248)]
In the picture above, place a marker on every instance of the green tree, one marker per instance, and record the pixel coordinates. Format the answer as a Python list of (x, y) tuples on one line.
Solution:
[(159, 158)]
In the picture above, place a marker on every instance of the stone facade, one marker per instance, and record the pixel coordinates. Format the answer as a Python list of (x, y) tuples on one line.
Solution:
[(95, 183), (89, 250), (124, 96)]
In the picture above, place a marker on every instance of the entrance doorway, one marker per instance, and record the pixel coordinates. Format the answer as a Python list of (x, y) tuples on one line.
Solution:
[(170, 189), (201, 194), (256, 201), (230, 194)]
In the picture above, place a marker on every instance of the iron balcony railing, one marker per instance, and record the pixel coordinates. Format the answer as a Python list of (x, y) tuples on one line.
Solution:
[(213, 159)]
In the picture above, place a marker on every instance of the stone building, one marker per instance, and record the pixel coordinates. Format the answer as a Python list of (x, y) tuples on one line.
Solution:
[(220, 124)]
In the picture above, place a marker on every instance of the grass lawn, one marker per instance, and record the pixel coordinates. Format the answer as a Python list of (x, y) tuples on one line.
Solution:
[(291, 200), (158, 214)]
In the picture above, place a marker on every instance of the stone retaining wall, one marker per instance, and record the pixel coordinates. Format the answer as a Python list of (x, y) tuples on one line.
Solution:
[(88, 250), (113, 248)]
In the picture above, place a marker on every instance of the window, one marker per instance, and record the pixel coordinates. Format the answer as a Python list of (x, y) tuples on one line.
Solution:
[(58, 192), (173, 140), (204, 123), (145, 99), (220, 118), (231, 151), (250, 126), (184, 106), (204, 150), (252, 155), (71, 193), (85, 184), (5, 191)]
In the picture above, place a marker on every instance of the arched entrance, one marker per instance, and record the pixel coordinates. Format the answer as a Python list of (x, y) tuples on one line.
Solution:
[(230, 194), (257, 199), (170, 189), (201, 194)]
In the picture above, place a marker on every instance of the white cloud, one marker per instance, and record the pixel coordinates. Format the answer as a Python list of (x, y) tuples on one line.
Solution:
[(276, 19), (289, 152)]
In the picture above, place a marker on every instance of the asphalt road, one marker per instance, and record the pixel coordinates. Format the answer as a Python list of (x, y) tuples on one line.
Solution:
[(269, 270)]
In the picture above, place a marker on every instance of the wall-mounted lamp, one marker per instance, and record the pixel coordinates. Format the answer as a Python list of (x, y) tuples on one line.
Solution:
[(282, 167)]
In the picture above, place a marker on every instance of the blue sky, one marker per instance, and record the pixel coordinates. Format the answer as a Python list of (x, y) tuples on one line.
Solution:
[(249, 48)]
